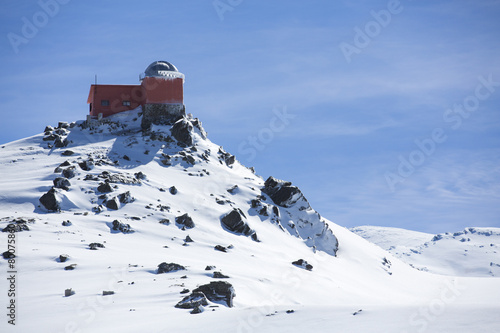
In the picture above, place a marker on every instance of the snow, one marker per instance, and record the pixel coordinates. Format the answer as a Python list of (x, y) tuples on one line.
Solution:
[(393, 296)]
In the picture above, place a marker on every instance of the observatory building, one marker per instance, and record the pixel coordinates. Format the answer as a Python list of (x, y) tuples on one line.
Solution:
[(160, 94)]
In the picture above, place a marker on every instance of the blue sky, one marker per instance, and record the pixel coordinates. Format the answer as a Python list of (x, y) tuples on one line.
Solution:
[(331, 95)]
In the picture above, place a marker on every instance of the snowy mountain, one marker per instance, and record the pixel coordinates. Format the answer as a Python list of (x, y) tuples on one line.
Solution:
[(118, 229), (471, 252)]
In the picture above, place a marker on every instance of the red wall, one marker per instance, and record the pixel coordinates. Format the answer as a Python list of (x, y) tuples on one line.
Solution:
[(116, 95), (162, 91)]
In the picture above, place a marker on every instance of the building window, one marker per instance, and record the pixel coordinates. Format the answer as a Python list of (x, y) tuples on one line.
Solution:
[(104, 102), (126, 103)]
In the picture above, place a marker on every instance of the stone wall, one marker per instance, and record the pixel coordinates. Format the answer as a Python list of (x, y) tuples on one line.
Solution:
[(162, 114)]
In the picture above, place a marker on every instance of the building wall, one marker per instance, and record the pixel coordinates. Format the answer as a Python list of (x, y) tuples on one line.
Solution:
[(162, 91), (117, 97)]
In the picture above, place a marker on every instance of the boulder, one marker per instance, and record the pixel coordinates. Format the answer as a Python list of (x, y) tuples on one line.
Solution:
[(104, 188), (219, 275), (195, 300), (169, 267), (51, 200), (173, 190), (16, 227), (125, 198), (63, 257), (8, 255), (67, 153), (69, 172), (281, 192), (185, 220), (123, 227), (113, 204), (95, 246), (218, 291), (303, 264), (86, 165), (182, 130), (61, 182), (235, 221)]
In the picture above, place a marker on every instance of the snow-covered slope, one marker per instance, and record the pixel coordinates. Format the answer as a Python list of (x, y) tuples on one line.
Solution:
[(129, 205), (471, 252)]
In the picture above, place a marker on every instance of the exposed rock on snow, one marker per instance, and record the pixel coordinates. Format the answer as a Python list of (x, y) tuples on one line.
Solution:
[(105, 188), (218, 291), (169, 267), (281, 192), (123, 227), (303, 264), (195, 300), (185, 220), (235, 221), (182, 130), (51, 201), (61, 182)]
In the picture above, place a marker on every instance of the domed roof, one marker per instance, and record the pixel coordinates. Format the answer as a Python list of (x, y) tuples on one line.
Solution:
[(158, 68)]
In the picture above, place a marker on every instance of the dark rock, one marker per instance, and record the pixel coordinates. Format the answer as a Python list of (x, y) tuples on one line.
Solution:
[(234, 221), (290, 311), (126, 158), (140, 175), (209, 268), (60, 143), (95, 246), (281, 192), (220, 248), (86, 165), (197, 124), (255, 203), (61, 182), (16, 227), (185, 220), (67, 223), (113, 204), (169, 267), (48, 129), (69, 172), (8, 255), (105, 188), (303, 264), (63, 257), (196, 310), (219, 275), (173, 190), (196, 299), (165, 221), (126, 198), (51, 201), (70, 267), (181, 131), (67, 153), (233, 189), (119, 226), (68, 292), (63, 124), (107, 292), (188, 239), (184, 291), (218, 291)]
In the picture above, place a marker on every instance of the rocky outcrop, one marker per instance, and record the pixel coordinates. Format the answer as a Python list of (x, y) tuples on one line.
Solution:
[(282, 192), (195, 300), (235, 221), (51, 200), (123, 227), (185, 220), (182, 131), (61, 182), (218, 291), (169, 267)]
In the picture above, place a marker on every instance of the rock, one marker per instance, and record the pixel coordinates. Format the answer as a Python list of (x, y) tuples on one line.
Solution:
[(63, 124), (48, 129), (67, 153), (196, 299), (61, 182), (303, 264), (165, 221), (113, 204), (181, 131), (126, 158), (69, 172), (233, 189), (119, 226), (63, 257), (107, 292), (8, 255), (255, 203), (209, 268), (197, 124), (51, 201), (170, 267), (140, 175), (172, 190), (95, 246), (184, 291), (70, 267), (60, 142), (86, 165), (217, 291), (198, 309), (281, 192), (219, 275), (220, 248), (67, 223), (105, 188), (235, 221), (68, 292), (185, 220), (126, 198), (188, 239), (16, 227)]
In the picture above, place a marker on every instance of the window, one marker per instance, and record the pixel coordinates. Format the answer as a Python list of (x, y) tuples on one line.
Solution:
[(104, 102), (126, 103)]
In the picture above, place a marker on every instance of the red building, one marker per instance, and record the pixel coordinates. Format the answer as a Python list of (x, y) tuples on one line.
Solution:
[(160, 94)]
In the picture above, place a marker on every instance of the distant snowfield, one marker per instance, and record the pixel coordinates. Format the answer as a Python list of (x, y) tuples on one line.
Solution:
[(363, 288), (470, 252)]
